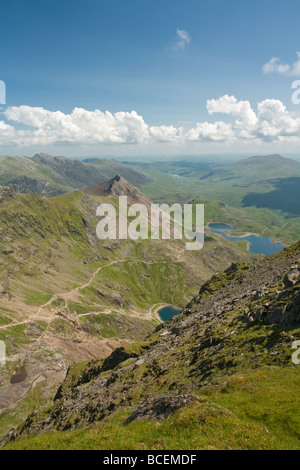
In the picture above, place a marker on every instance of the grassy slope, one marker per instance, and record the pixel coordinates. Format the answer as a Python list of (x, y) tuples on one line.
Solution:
[(259, 411), (13, 167)]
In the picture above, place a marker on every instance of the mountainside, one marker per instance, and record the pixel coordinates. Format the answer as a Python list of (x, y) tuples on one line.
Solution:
[(66, 296), (219, 375), (52, 176)]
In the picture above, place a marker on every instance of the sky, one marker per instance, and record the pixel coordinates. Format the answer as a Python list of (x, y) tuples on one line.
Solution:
[(139, 77)]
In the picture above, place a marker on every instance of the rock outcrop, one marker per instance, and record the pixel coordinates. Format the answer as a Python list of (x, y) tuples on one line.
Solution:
[(7, 193)]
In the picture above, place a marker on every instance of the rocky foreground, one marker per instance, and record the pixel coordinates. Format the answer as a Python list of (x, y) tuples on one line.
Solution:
[(245, 318)]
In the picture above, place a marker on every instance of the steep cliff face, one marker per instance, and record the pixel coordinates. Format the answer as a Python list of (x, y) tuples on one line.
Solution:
[(245, 320)]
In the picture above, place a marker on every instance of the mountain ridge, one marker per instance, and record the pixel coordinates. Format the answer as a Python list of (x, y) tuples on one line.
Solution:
[(52, 176)]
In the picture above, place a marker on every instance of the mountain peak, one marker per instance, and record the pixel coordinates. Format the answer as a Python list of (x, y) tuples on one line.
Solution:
[(118, 186), (117, 178)]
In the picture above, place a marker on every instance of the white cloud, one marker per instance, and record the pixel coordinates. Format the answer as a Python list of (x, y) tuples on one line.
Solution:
[(182, 40), (230, 105), (272, 122), (211, 132), (276, 122), (27, 126), (81, 126), (166, 134), (275, 66)]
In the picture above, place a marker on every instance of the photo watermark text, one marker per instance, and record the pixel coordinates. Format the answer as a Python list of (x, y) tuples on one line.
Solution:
[(141, 222)]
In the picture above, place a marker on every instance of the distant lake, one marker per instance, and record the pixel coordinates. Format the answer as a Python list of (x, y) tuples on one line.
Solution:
[(258, 245), (168, 312)]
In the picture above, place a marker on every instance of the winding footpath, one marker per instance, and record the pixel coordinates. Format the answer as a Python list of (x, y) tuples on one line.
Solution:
[(68, 295)]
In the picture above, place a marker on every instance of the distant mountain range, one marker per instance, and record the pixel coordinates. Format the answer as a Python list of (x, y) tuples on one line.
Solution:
[(50, 176)]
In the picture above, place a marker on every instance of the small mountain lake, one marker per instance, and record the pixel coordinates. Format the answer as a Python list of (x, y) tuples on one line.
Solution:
[(168, 312), (258, 245)]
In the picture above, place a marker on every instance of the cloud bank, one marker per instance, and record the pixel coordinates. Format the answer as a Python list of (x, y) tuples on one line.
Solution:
[(26, 126)]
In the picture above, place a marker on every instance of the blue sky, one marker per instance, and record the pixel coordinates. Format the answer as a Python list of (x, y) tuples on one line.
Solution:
[(163, 59)]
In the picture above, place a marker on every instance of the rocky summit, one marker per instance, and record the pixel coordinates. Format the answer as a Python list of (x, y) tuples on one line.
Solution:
[(116, 187), (212, 360)]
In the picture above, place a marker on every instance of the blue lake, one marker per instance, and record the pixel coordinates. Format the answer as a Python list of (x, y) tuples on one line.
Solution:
[(168, 312), (258, 245)]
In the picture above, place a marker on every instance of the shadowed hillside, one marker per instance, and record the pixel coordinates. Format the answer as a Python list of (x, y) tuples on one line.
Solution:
[(52, 176), (286, 197)]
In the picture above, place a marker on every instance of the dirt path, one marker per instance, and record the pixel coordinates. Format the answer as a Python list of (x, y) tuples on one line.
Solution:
[(43, 314), (63, 295)]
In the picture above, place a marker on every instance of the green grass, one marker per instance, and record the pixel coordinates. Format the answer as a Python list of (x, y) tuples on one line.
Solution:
[(37, 297), (268, 396), (116, 325), (14, 336), (253, 410), (4, 320)]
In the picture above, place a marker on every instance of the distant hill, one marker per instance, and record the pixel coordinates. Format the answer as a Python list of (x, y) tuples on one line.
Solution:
[(285, 196), (263, 181), (50, 176), (253, 169)]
